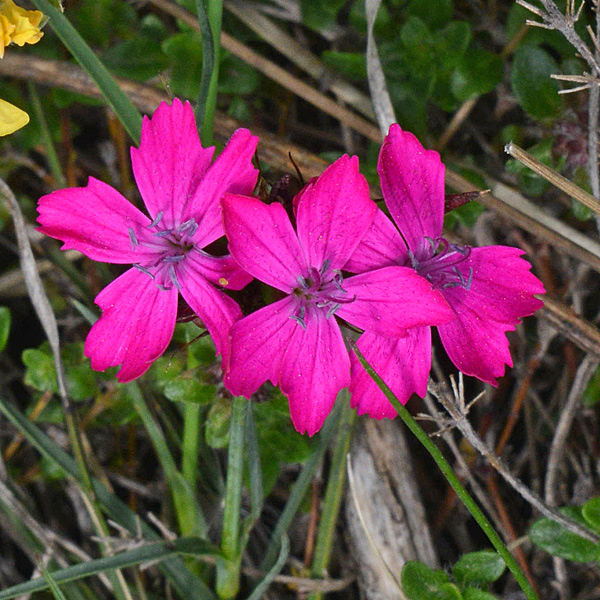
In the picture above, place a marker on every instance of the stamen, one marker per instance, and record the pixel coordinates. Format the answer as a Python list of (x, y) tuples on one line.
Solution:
[(325, 267), (302, 282), (337, 281), (470, 280), (333, 308), (174, 259), (164, 233), (414, 263), (157, 220), (144, 270), (173, 277), (190, 227), (299, 320), (132, 238)]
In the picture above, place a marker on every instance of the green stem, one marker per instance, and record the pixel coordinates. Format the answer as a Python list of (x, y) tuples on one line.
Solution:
[(452, 479), (333, 493), (51, 155), (191, 443), (228, 576)]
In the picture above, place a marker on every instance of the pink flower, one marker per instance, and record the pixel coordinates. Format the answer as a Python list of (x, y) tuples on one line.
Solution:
[(181, 190), (296, 342), (489, 289)]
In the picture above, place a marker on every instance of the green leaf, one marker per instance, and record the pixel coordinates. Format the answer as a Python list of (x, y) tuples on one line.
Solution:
[(472, 593), (81, 382), (531, 83), (320, 15), (185, 55), (479, 72), (435, 13), (591, 396), (237, 77), (139, 58), (420, 582), (352, 65), (449, 591), (591, 512), (556, 540), (478, 568), (40, 373), (189, 390), (4, 326)]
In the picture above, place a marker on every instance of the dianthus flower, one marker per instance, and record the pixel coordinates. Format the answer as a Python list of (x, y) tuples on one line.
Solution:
[(18, 25), (296, 342), (489, 289), (181, 190), (11, 118)]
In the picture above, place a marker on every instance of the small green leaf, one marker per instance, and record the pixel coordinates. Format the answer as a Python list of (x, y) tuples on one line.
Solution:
[(185, 53), (189, 390), (420, 582), (4, 326), (138, 58), (472, 593), (591, 512), (536, 92), (479, 72), (448, 591), (556, 540), (478, 568), (237, 77), (352, 65), (591, 395), (435, 13), (40, 373), (81, 382), (320, 15)]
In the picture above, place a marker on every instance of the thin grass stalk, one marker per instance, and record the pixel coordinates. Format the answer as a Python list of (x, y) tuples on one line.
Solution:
[(452, 479)]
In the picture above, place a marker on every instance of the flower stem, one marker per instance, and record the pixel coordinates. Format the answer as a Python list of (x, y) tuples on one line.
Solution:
[(333, 493), (228, 567), (452, 479), (191, 439)]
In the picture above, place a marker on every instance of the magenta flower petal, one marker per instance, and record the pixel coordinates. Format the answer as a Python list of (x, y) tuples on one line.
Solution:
[(315, 368), (334, 213), (232, 172), (382, 246), (136, 325), (258, 344), (500, 294), (392, 299), (220, 270), (218, 311), (403, 363), (170, 162), (412, 182), (263, 242), (95, 220)]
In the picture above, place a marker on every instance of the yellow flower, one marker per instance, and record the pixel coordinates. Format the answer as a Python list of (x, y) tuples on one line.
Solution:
[(18, 25), (11, 118)]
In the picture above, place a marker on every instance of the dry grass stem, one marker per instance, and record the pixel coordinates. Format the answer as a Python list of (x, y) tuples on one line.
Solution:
[(550, 175)]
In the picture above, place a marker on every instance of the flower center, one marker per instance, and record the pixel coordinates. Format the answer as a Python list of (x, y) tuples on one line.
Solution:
[(171, 246), (437, 260), (321, 290)]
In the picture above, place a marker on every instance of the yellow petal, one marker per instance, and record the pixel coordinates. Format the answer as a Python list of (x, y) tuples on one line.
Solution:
[(11, 118), (23, 25)]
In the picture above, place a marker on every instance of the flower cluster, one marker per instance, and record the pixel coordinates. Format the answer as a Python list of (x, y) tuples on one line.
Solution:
[(337, 264)]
